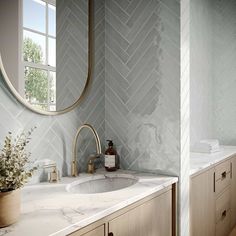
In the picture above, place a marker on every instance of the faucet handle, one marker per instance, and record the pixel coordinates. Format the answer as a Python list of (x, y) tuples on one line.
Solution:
[(54, 175), (91, 165)]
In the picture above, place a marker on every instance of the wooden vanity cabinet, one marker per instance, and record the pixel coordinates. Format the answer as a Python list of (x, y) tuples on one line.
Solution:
[(233, 192), (151, 216), (213, 200), (202, 204), (99, 231)]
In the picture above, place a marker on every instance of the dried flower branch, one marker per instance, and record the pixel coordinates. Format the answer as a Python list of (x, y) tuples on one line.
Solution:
[(14, 162)]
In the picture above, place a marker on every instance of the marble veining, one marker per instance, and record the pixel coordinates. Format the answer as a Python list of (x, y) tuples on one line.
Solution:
[(48, 209), (200, 161)]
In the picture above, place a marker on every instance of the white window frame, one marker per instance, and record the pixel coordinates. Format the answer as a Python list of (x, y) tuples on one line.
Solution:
[(23, 64)]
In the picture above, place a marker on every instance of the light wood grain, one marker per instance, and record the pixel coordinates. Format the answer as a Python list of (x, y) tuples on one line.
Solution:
[(233, 193), (223, 226), (222, 176), (157, 215), (233, 232), (150, 219), (222, 204), (221, 168), (202, 204), (221, 184), (99, 231)]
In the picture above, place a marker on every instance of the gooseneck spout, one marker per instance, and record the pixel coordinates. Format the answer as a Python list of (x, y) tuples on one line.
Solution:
[(74, 169)]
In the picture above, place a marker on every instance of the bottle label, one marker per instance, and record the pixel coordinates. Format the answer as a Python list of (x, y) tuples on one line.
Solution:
[(110, 161)]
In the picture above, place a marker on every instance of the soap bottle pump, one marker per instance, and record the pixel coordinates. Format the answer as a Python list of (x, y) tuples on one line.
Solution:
[(111, 158)]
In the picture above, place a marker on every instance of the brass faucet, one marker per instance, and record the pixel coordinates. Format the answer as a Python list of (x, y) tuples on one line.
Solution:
[(74, 170)]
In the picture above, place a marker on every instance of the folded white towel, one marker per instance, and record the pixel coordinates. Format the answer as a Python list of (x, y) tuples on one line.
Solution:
[(212, 142), (206, 146)]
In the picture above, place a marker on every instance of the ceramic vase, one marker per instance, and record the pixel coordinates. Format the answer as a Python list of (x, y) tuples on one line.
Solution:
[(9, 207)]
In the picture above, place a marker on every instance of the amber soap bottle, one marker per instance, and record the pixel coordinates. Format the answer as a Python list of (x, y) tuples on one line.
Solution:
[(111, 158)]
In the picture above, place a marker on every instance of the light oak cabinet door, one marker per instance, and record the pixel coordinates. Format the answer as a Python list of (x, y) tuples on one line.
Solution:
[(153, 218), (202, 204), (233, 192), (99, 231)]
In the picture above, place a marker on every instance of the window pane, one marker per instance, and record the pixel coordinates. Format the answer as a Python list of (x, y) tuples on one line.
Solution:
[(51, 20), (34, 15), (33, 47), (52, 52), (52, 87), (36, 86)]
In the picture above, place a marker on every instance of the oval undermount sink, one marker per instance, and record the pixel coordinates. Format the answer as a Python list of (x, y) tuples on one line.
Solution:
[(101, 183)]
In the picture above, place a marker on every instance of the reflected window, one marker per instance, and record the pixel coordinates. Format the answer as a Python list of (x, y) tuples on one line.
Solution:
[(39, 53)]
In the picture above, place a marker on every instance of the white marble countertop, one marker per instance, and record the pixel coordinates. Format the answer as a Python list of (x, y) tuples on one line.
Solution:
[(201, 161), (47, 209)]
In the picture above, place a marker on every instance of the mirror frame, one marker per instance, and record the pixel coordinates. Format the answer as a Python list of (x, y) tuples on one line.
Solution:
[(88, 80)]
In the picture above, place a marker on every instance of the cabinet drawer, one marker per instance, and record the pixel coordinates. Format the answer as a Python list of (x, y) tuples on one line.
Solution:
[(223, 226), (222, 176), (99, 231), (222, 183), (221, 170), (222, 205)]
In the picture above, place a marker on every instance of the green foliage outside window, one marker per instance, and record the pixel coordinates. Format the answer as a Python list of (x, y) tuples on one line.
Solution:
[(37, 84), (36, 81)]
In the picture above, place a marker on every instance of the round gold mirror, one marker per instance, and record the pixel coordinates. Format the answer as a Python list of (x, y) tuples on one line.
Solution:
[(45, 52)]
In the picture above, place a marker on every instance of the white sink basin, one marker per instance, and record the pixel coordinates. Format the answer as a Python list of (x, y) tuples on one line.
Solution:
[(101, 183)]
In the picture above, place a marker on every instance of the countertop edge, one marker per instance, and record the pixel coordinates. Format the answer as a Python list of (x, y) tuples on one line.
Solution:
[(214, 162), (98, 216)]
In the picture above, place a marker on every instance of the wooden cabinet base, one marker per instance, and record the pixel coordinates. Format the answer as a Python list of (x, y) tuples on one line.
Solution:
[(99, 231), (151, 216), (213, 200), (202, 204)]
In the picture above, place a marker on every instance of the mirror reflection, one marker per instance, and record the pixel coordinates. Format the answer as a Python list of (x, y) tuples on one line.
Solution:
[(47, 57)]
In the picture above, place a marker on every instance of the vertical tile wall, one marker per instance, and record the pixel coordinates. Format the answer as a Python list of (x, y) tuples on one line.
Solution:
[(224, 64), (201, 64), (185, 119)]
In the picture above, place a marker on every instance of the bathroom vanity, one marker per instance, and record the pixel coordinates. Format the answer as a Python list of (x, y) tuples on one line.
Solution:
[(138, 219), (146, 207), (213, 193)]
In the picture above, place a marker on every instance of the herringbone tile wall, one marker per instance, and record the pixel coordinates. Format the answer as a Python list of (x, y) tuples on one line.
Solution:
[(54, 135), (134, 98), (135, 95), (72, 50), (142, 82)]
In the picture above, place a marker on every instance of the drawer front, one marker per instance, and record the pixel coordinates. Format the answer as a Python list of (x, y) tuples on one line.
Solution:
[(222, 183), (223, 226), (221, 170), (223, 205)]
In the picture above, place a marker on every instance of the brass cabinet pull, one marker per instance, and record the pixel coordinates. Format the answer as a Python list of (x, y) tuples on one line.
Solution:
[(224, 213), (223, 175), (110, 234)]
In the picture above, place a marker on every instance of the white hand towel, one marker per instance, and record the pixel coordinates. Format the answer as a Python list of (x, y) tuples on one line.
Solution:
[(206, 146)]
